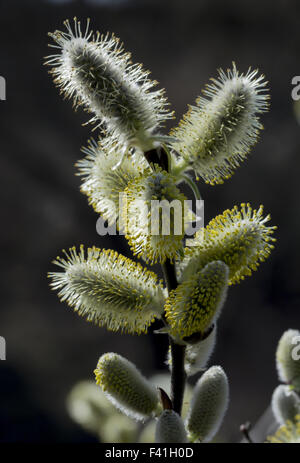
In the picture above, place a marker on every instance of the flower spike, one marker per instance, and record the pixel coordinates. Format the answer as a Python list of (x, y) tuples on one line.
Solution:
[(102, 183), (126, 388), (97, 73), (155, 216), (208, 405), (170, 428), (218, 132), (109, 289), (239, 238), (196, 303)]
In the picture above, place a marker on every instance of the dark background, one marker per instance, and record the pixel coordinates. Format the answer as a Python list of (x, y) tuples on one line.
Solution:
[(49, 347)]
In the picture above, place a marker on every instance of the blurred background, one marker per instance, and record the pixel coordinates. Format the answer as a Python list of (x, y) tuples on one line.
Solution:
[(49, 348)]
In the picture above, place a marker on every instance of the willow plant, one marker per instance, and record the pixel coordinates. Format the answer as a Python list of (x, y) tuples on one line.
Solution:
[(130, 166)]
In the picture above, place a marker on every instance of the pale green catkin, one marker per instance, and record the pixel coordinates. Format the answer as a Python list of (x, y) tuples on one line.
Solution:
[(170, 429), (126, 388), (218, 132), (103, 183), (196, 303), (238, 237), (208, 405), (109, 289), (155, 216), (97, 73)]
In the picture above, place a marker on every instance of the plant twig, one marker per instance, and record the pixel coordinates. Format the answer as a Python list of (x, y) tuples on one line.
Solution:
[(178, 376)]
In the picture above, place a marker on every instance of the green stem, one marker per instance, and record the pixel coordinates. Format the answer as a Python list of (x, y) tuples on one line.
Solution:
[(193, 186)]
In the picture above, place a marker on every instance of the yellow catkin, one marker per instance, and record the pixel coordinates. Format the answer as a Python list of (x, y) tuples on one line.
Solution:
[(155, 240), (125, 386), (238, 237), (196, 303)]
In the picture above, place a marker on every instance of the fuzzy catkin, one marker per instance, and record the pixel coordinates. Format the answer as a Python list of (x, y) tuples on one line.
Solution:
[(217, 133), (97, 73), (108, 289), (238, 237), (125, 386), (170, 429), (196, 303), (155, 216), (208, 405), (103, 183)]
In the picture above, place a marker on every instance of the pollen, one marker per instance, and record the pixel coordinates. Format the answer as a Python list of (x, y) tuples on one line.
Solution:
[(196, 303), (156, 216), (239, 237), (102, 182)]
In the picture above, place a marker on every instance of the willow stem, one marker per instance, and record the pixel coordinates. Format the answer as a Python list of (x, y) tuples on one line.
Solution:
[(178, 375)]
